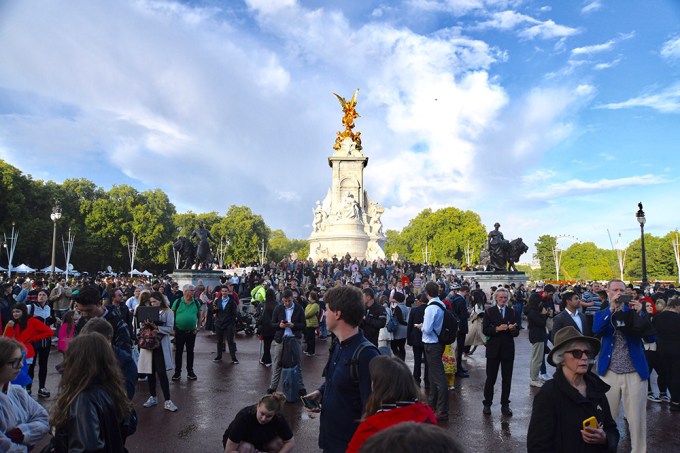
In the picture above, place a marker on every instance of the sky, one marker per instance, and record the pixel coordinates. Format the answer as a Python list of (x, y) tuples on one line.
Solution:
[(547, 117)]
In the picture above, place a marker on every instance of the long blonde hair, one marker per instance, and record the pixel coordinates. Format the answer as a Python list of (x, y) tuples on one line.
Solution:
[(89, 361)]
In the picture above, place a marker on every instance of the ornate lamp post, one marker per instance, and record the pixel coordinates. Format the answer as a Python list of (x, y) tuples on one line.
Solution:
[(640, 215), (56, 215)]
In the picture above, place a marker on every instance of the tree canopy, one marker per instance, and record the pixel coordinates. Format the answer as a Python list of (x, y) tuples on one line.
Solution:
[(445, 233)]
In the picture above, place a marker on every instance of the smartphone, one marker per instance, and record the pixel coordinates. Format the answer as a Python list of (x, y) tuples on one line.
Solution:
[(310, 404), (624, 299), (590, 423)]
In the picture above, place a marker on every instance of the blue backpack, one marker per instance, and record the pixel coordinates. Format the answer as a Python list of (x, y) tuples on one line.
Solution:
[(392, 325)]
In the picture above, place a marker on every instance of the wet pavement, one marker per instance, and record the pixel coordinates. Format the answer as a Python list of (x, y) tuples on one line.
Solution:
[(207, 406)]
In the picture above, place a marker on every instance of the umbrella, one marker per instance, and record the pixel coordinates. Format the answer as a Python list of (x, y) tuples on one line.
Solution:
[(23, 269)]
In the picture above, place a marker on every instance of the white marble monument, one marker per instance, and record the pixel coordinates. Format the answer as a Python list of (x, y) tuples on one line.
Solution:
[(347, 221)]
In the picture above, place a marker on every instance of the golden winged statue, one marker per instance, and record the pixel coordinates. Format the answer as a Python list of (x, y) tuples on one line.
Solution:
[(350, 113)]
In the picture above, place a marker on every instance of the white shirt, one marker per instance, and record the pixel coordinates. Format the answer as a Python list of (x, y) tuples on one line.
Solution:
[(577, 319), (289, 316)]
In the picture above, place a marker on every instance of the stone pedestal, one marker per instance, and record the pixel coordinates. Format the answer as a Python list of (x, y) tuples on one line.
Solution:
[(210, 278), (488, 279)]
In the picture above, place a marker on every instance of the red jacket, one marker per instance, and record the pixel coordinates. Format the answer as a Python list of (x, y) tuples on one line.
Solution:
[(35, 331), (416, 412)]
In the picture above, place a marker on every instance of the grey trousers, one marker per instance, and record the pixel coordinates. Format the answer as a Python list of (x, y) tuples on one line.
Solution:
[(277, 352), (438, 398), (536, 359)]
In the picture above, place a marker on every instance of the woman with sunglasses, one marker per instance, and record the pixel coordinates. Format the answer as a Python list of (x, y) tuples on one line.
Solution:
[(23, 422), (573, 396)]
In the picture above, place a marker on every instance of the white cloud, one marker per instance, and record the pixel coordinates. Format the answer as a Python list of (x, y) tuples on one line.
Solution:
[(671, 49), (548, 30), (589, 50), (591, 7), (607, 156), (574, 187), (607, 65), (528, 27), (665, 101)]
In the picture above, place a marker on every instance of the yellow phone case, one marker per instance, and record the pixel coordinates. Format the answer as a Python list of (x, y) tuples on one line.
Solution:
[(590, 423)]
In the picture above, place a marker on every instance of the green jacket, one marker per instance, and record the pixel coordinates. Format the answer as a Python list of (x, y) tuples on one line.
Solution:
[(258, 293), (312, 314)]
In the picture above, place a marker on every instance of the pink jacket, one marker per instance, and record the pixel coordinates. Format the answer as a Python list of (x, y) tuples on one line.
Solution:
[(64, 337)]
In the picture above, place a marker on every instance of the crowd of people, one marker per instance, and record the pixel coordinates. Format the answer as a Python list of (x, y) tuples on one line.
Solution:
[(604, 340)]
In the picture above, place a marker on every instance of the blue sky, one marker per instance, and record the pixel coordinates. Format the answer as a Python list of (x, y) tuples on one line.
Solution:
[(548, 117)]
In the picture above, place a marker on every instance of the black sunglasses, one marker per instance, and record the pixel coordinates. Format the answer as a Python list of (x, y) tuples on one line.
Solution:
[(16, 364), (578, 353)]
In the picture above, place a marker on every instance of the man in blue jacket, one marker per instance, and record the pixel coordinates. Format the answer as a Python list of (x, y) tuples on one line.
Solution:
[(622, 364), (343, 398)]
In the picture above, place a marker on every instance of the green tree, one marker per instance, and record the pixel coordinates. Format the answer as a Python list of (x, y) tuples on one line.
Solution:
[(153, 228), (586, 261), (446, 233), (544, 252), (245, 232), (394, 244), (279, 246), (660, 258)]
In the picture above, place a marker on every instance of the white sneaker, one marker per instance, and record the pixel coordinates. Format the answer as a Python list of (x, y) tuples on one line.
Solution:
[(152, 401), (536, 383), (170, 406), (545, 377)]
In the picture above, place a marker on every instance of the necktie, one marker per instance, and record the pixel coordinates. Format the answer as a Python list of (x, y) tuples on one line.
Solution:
[(503, 312)]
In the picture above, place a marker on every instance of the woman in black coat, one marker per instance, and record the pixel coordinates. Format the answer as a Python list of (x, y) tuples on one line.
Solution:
[(266, 330), (538, 317), (573, 396), (668, 343)]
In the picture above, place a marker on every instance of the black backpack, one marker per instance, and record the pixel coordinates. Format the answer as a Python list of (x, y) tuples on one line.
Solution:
[(354, 361), (449, 329)]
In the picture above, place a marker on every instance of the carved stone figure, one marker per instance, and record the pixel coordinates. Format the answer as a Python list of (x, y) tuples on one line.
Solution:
[(348, 209), (318, 217), (503, 254), (203, 252), (186, 250), (516, 249), (497, 245)]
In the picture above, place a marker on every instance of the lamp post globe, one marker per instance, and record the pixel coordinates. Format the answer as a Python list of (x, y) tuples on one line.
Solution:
[(640, 216)]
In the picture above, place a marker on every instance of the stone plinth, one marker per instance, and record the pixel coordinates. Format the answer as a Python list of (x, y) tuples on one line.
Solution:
[(488, 279), (210, 278)]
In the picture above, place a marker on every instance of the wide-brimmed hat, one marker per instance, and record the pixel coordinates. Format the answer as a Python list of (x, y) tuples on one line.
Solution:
[(568, 334)]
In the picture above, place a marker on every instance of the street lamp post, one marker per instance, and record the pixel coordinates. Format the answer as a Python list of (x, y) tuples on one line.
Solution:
[(10, 249), (56, 215), (640, 215)]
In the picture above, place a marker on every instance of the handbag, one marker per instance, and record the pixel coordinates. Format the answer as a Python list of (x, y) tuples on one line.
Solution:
[(148, 336)]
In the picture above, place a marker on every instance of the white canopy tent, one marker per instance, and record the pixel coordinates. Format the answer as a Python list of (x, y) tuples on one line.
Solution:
[(147, 273), (135, 272), (49, 269), (23, 269)]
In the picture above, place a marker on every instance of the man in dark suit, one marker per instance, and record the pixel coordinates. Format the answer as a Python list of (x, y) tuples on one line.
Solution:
[(500, 325), (570, 316), (414, 338), (224, 312)]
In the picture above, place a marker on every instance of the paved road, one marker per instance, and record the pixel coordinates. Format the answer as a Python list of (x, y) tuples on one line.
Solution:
[(206, 406)]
